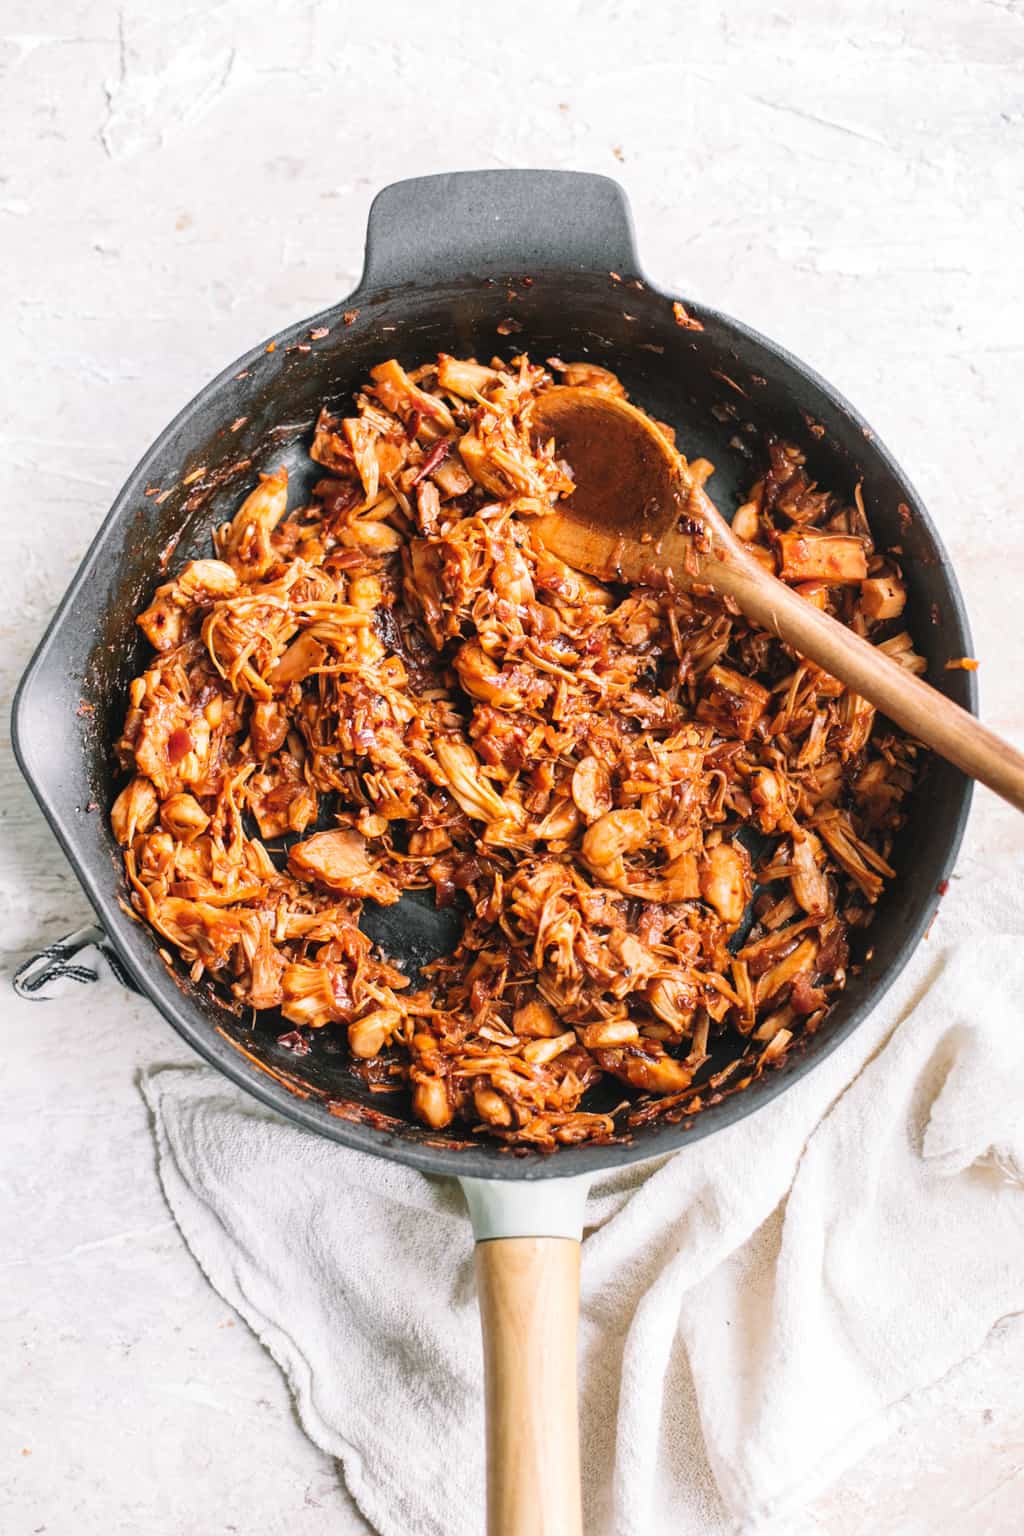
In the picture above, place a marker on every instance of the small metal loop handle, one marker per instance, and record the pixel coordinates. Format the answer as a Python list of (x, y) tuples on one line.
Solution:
[(497, 224)]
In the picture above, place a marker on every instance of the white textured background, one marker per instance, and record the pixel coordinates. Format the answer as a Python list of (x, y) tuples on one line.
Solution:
[(175, 183)]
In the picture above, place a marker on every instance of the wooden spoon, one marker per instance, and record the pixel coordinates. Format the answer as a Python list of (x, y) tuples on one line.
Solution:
[(638, 515)]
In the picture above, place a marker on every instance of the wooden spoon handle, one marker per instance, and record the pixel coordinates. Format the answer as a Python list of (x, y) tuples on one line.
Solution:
[(529, 1309), (909, 701)]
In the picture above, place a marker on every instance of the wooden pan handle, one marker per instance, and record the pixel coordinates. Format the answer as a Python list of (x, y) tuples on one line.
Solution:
[(912, 703), (529, 1311)]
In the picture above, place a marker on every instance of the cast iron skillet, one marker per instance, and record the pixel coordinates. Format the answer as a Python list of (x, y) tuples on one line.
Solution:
[(474, 263)]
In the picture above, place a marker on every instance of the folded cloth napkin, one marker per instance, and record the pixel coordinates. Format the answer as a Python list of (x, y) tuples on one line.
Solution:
[(755, 1309), (83, 956)]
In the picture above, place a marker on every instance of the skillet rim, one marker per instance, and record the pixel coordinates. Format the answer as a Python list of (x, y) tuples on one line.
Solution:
[(485, 1160)]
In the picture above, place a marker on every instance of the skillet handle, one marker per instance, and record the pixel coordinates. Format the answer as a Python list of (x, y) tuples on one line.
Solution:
[(528, 1236), (529, 1311), (502, 224)]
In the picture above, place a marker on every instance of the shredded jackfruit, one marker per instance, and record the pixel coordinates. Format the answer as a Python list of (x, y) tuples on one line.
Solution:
[(396, 686)]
